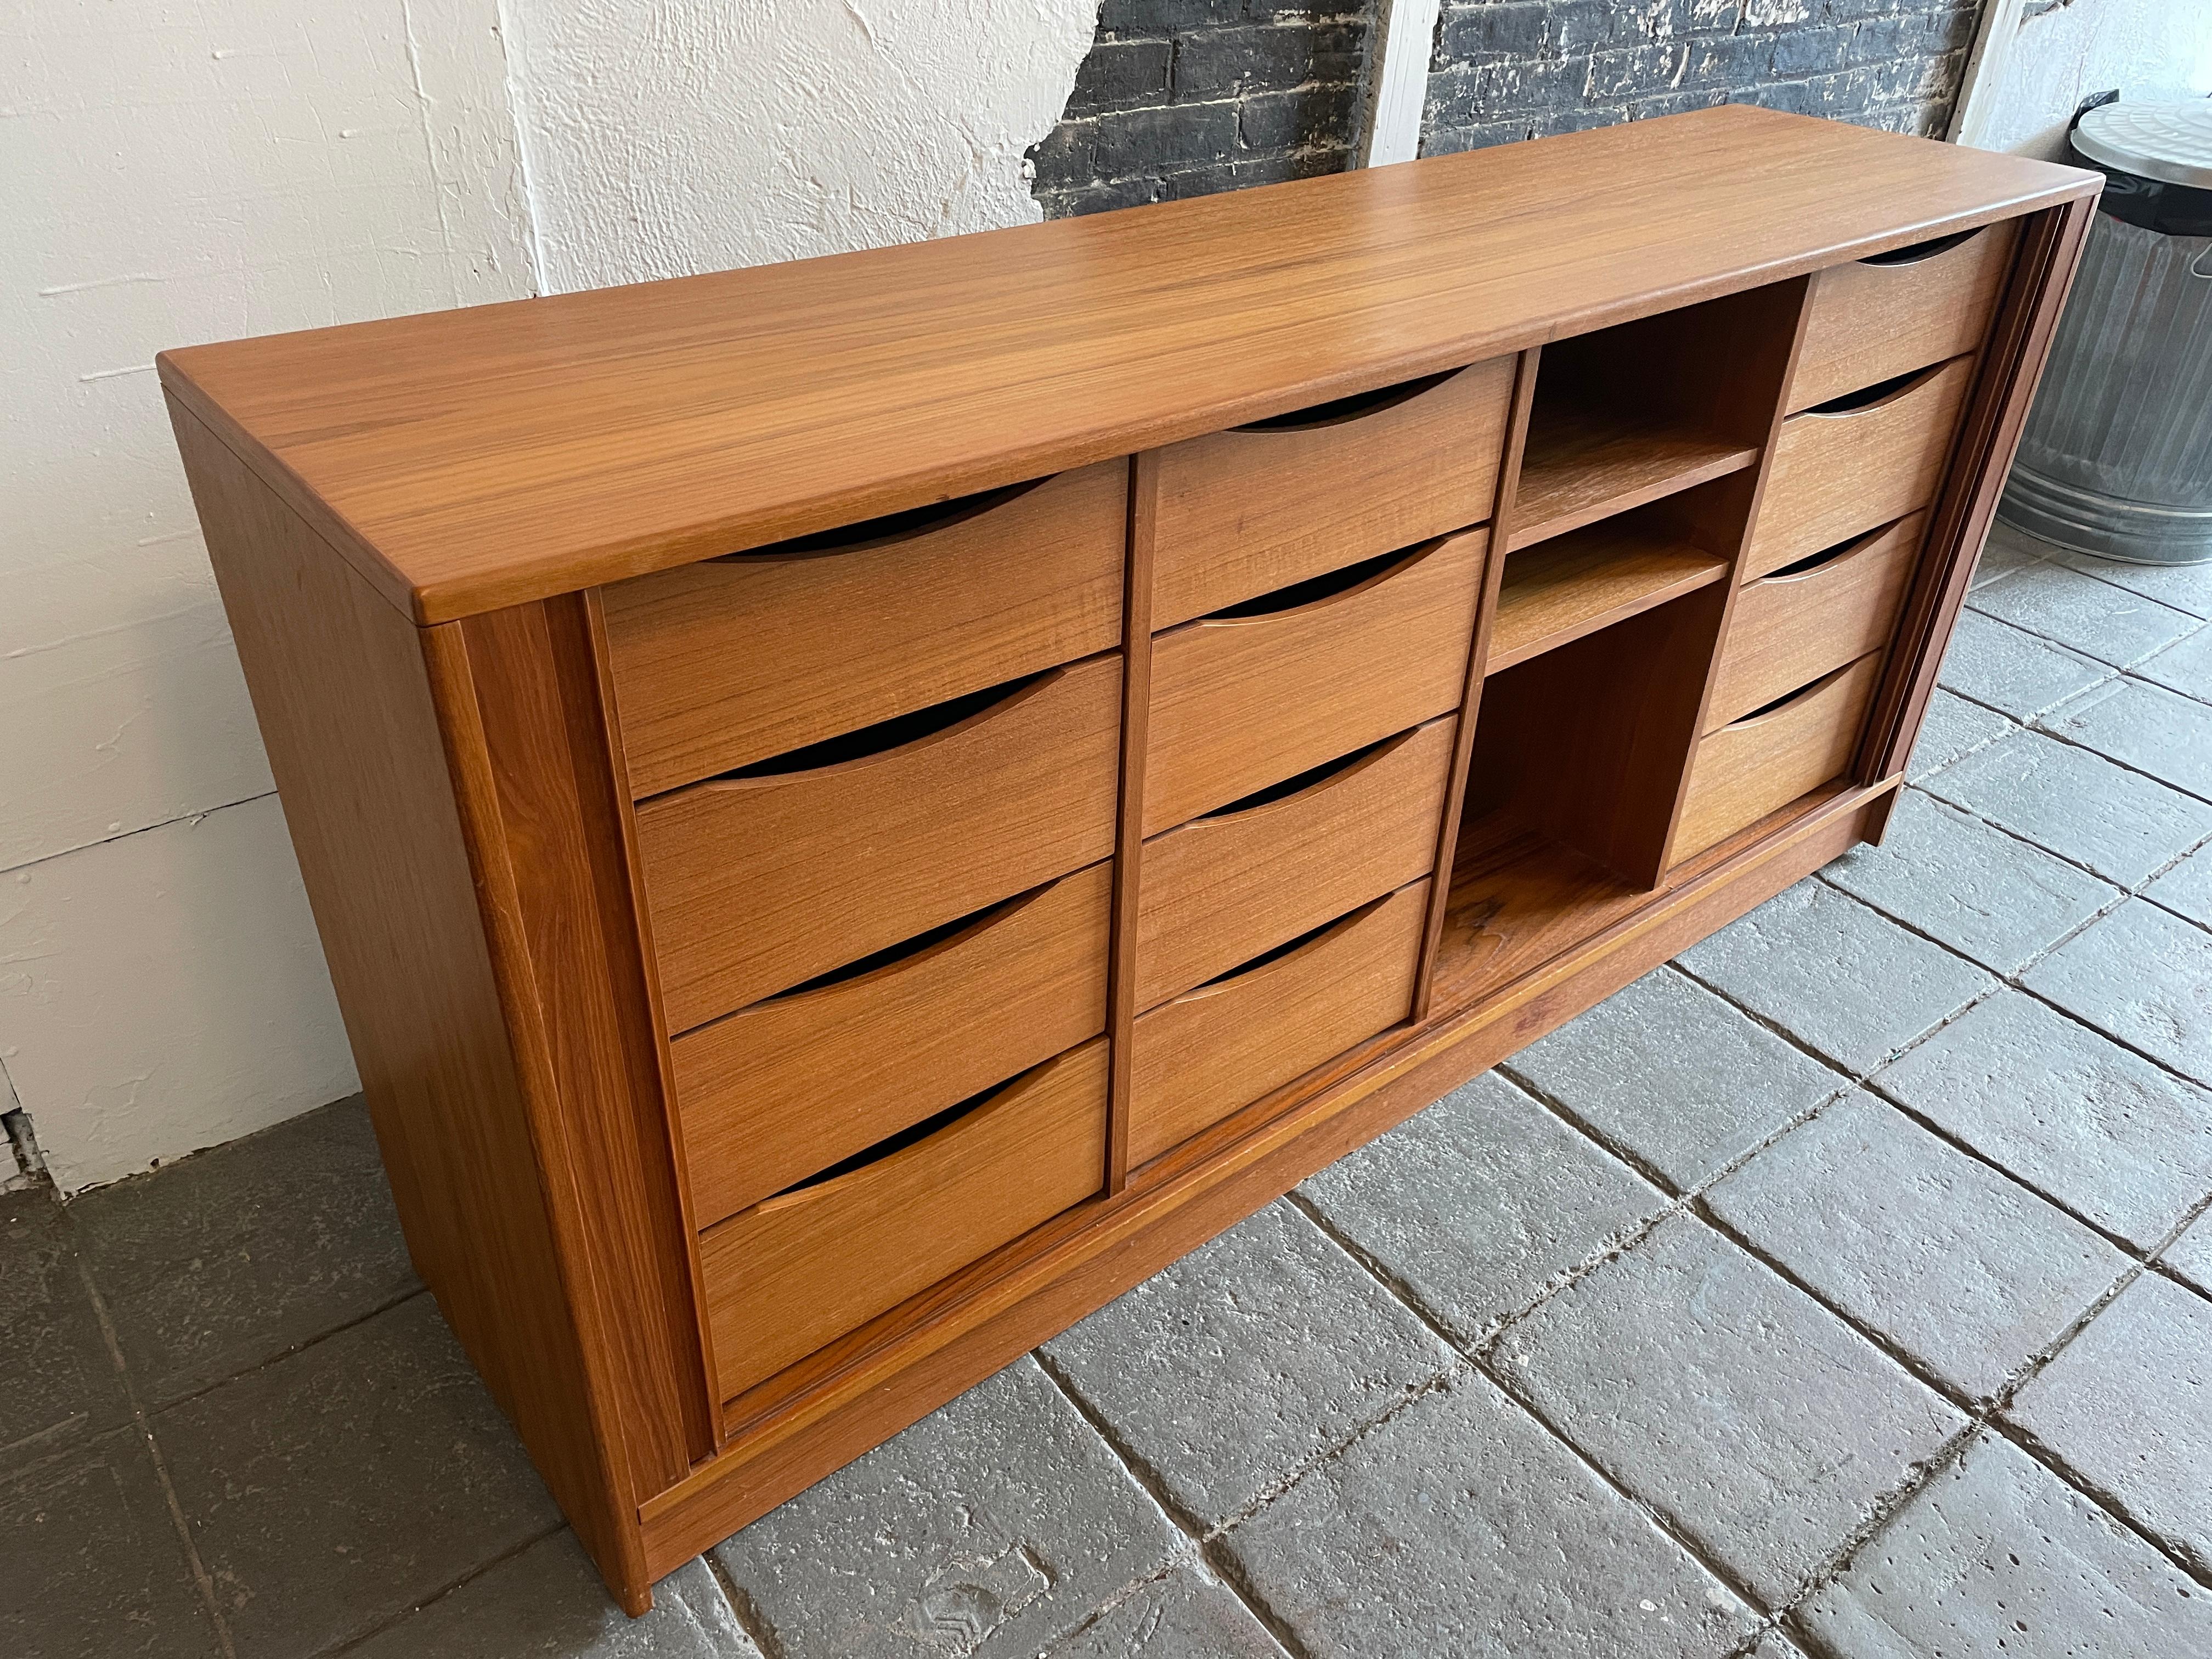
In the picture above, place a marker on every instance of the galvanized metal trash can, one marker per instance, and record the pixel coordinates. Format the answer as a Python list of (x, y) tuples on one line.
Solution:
[(2116, 458)]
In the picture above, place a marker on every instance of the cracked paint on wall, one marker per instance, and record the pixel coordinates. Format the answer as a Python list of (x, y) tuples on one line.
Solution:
[(665, 139)]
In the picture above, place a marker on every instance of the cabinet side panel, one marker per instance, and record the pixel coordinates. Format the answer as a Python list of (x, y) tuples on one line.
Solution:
[(343, 698)]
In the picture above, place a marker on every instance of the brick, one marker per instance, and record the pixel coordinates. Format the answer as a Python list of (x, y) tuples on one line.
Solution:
[(1101, 199), (1635, 71), (1478, 1203), (2190, 1254), (94, 1567), (2119, 823), (1766, 1429), (2126, 1409), (1953, 727), (1121, 17), (1731, 60), (1998, 664), (1669, 1073), (2142, 976), (2083, 614), (236, 1255), (1120, 73), (1578, 25), (1187, 1614), (2115, 1139), (1254, 1354), (1996, 1542), (1454, 141), (1141, 140), (1841, 978), (2186, 890), (2143, 726), (548, 1603), (2185, 666), (1460, 1526), (1229, 62), (59, 1387), (1508, 29), (339, 1487), (2185, 586), (1808, 50), (996, 1525), (1978, 890), (1969, 1274), (1295, 120)]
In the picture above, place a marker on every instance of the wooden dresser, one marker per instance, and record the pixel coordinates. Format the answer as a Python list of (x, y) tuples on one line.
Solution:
[(859, 808)]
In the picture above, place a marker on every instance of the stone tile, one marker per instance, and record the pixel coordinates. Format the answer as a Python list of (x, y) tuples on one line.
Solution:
[(2190, 1254), (2145, 976), (2016, 673), (1187, 1614), (548, 1603), (2143, 726), (2120, 823), (1952, 727), (2126, 1408), (2006, 552), (1977, 889), (90, 1564), (2185, 666), (1478, 1203), (992, 1527), (1226, 1371), (1672, 1073), (2108, 1135), (1968, 1273), (1460, 1527), (333, 1489), (2186, 890), (1997, 1543), (240, 1253), (1843, 979), (1706, 1383), (2093, 617), (59, 1386), (2185, 586)]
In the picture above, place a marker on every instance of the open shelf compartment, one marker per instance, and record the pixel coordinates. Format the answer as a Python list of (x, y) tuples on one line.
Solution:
[(1555, 592)]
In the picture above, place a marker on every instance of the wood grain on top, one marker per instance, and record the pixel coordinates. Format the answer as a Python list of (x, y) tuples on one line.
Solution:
[(471, 460)]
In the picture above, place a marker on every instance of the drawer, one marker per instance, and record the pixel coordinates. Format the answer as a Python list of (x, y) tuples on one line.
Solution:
[(782, 1090), (724, 663), (1195, 1061), (1247, 511), (1837, 474), (1221, 889), (760, 880), (800, 1270), (1766, 760), (1241, 701), (1791, 627), (1876, 319)]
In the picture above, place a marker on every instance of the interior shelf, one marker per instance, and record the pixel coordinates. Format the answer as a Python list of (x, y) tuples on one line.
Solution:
[(1557, 591), (1589, 460)]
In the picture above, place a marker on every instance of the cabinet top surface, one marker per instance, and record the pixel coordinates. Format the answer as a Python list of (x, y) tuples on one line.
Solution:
[(468, 460)]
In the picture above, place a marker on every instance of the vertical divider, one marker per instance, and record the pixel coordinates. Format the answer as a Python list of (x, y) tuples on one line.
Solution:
[(1129, 827), (1493, 572)]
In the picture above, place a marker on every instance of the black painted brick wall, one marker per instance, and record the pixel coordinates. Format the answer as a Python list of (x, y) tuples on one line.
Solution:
[(1521, 69), (1185, 97)]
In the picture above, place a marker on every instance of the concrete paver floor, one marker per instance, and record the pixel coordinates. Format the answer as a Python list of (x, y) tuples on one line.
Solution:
[(1841, 1288)]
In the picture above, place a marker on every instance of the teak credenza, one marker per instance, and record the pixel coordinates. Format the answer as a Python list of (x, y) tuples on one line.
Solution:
[(859, 808)]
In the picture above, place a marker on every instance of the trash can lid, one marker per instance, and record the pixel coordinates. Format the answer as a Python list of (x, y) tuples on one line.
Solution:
[(2171, 142)]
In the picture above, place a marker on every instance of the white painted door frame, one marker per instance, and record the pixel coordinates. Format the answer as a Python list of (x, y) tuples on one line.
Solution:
[(1398, 82), (1985, 66)]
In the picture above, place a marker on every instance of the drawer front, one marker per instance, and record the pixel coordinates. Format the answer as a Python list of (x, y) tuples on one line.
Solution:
[(1223, 889), (1872, 319), (1792, 627), (785, 1088), (722, 663), (1743, 771), (756, 884), (787, 1276), (1245, 511), (1240, 703), (1195, 1061), (1836, 475)]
